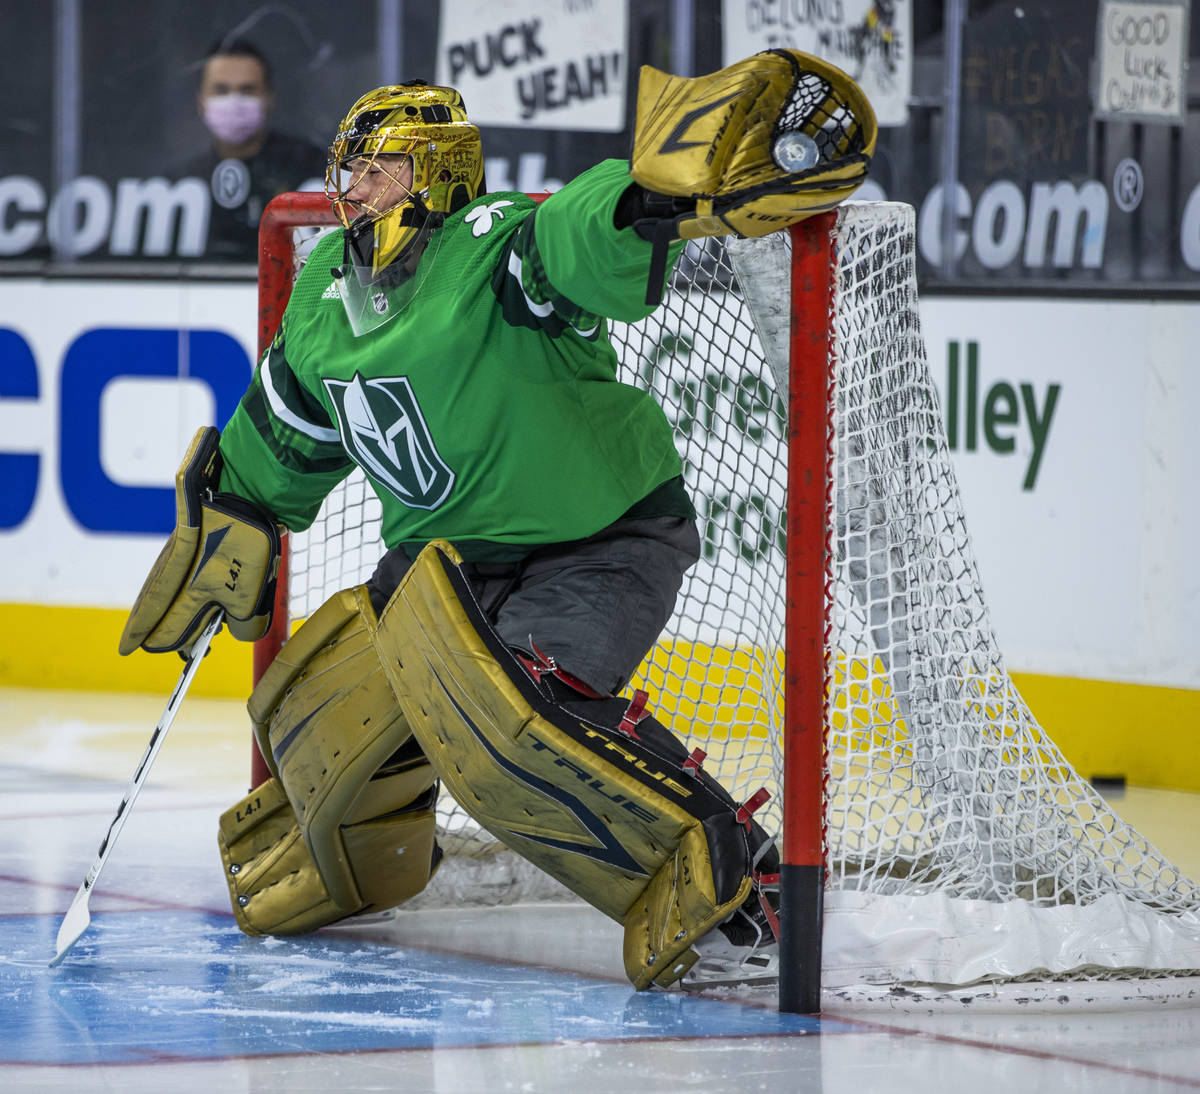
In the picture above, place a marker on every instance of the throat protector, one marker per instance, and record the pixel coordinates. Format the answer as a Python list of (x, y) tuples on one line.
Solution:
[(371, 298)]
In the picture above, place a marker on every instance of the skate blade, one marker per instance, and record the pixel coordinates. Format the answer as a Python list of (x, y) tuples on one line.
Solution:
[(714, 972), (362, 919)]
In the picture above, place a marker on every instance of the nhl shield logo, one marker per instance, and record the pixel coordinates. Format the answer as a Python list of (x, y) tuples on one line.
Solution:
[(385, 432)]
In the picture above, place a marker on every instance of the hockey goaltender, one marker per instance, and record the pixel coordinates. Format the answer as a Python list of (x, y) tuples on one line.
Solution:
[(453, 344)]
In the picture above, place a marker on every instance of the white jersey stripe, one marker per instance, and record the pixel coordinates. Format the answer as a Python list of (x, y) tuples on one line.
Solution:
[(290, 417), (515, 268)]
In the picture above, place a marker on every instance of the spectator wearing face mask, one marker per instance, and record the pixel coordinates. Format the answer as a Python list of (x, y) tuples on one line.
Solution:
[(246, 162)]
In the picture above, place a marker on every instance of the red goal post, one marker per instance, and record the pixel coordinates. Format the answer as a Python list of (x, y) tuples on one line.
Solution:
[(276, 275)]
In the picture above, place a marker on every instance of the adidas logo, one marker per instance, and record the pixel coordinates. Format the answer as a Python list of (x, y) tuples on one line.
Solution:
[(331, 293)]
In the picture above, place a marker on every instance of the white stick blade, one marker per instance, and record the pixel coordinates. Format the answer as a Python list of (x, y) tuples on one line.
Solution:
[(74, 923)]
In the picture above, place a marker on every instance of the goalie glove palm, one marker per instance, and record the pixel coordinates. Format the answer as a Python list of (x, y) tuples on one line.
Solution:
[(753, 148), (223, 554)]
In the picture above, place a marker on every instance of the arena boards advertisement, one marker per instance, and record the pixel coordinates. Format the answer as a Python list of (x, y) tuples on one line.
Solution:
[(1069, 423)]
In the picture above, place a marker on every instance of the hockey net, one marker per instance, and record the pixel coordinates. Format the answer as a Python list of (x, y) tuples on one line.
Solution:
[(960, 847)]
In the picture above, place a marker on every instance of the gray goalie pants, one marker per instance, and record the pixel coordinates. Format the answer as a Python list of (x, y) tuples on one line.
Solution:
[(595, 605)]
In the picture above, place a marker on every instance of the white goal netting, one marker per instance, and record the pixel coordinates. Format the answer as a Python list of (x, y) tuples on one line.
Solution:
[(961, 845)]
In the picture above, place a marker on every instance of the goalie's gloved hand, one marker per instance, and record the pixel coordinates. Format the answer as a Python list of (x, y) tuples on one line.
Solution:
[(655, 217), (223, 554), (642, 210), (746, 151)]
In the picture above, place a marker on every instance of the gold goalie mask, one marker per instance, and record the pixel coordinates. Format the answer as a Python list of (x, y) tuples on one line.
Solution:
[(405, 157)]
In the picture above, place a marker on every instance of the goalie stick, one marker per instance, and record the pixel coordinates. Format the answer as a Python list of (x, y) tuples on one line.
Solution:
[(77, 919)]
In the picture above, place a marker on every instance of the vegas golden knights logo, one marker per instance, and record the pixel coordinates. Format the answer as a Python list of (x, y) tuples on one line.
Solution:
[(385, 433)]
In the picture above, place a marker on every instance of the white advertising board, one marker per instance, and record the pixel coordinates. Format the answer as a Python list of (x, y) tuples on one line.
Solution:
[(1070, 425), (1084, 563), (541, 64), (101, 388), (870, 42)]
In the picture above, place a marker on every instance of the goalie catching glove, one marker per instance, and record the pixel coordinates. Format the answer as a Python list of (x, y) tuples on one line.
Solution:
[(747, 150), (223, 554)]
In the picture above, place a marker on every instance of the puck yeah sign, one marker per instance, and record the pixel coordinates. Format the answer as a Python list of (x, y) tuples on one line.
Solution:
[(545, 64)]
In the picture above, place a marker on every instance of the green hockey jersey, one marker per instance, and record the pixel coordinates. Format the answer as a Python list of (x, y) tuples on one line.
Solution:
[(487, 411)]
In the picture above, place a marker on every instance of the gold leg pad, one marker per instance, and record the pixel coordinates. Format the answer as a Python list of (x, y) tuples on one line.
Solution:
[(275, 885)]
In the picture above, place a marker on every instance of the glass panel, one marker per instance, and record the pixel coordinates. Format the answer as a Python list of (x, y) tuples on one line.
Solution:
[(1048, 195), (26, 131)]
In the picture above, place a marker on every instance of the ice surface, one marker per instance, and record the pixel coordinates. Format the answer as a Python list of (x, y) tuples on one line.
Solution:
[(163, 991)]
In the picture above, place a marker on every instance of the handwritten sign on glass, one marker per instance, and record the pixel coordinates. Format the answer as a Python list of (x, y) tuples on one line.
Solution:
[(1142, 56)]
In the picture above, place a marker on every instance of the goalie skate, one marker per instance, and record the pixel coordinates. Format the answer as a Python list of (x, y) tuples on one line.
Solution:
[(742, 950)]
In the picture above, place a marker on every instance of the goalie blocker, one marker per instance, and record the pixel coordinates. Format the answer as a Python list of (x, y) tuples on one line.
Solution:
[(358, 716), (222, 555)]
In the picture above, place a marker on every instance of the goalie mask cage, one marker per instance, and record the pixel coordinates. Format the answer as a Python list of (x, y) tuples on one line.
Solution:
[(833, 643)]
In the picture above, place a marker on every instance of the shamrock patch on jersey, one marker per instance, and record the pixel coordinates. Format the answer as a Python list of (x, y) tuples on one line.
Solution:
[(483, 217), (385, 432)]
